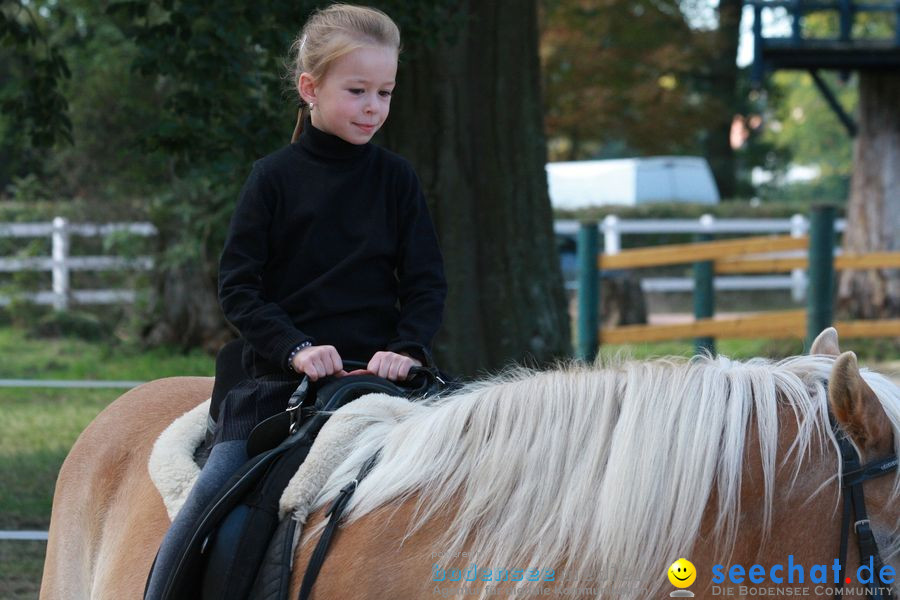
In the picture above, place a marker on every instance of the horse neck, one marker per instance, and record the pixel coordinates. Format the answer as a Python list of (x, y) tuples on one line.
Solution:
[(805, 509)]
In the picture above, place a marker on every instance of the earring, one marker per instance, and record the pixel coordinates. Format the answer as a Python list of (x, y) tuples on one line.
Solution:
[(312, 105)]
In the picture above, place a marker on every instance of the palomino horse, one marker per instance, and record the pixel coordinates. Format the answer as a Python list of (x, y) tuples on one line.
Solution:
[(582, 482)]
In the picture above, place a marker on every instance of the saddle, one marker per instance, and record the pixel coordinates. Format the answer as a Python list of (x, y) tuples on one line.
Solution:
[(239, 549)]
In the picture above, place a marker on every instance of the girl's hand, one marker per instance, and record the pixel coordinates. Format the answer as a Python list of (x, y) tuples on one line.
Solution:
[(318, 361), (391, 365)]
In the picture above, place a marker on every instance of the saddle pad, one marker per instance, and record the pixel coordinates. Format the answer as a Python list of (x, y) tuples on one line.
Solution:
[(173, 470), (370, 414), (171, 466)]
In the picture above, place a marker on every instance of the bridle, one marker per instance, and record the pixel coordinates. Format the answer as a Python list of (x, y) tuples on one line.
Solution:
[(853, 475)]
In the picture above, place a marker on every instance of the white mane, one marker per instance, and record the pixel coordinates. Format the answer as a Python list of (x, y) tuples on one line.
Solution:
[(589, 469)]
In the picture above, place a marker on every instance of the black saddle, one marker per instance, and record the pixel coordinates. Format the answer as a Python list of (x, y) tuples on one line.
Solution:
[(230, 542)]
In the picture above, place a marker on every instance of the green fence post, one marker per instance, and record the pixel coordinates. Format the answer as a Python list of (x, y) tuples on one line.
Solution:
[(588, 292), (820, 292), (704, 297)]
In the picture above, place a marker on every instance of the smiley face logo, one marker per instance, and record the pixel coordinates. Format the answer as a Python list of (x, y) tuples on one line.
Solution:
[(682, 573)]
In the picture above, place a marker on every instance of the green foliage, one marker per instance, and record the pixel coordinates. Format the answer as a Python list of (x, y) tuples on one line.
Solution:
[(114, 111), (28, 188), (37, 66), (804, 121), (219, 76), (832, 188), (618, 77), (72, 323), (801, 129)]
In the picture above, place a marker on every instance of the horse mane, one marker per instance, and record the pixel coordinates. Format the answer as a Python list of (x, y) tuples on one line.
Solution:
[(593, 469)]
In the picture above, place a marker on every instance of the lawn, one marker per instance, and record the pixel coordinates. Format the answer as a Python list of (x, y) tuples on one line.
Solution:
[(39, 425)]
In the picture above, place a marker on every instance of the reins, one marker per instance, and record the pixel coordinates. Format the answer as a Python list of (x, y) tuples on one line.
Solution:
[(335, 514), (430, 383)]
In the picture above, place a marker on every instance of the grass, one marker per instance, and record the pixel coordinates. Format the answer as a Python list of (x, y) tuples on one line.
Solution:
[(870, 351), (39, 425), (69, 358), (21, 565), (740, 349)]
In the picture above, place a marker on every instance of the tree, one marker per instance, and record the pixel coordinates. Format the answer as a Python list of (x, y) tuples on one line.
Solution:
[(222, 104), (468, 114), (873, 209), (723, 87), (624, 78), (486, 188), (32, 70), (804, 130), (217, 77), (873, 212)]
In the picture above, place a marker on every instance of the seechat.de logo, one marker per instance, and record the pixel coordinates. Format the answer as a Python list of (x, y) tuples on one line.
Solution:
[(796, 573)]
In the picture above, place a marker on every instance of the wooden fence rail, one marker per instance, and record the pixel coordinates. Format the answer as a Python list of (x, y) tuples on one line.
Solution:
[(772, 325), (872, 260), (733, 256), (678, 254)]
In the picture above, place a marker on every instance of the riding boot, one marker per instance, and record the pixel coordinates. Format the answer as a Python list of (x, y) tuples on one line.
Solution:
[(224, 460)]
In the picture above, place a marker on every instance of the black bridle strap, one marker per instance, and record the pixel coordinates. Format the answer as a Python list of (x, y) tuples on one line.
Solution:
[(845, 538), (853, 475), (317, 559), (873, 469)]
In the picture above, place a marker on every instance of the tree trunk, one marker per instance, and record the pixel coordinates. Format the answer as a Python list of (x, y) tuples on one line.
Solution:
[(873, 212), (724, 69), (468, 116), (187, 311)]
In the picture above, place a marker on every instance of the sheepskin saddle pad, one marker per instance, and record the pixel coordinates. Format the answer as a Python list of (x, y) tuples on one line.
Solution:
[(173, 469)]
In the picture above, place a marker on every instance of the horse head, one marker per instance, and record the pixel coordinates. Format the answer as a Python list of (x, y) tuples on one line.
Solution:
[(868, 424)]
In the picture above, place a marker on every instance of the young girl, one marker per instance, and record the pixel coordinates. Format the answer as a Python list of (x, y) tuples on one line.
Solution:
[(331, 253)]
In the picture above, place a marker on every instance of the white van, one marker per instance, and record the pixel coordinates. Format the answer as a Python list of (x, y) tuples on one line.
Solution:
[(631, 181)]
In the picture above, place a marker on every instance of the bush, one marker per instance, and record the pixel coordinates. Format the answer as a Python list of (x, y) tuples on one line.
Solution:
[(71, 324)]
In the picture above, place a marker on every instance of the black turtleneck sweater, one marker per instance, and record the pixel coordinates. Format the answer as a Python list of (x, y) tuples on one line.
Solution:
[(331, 242)]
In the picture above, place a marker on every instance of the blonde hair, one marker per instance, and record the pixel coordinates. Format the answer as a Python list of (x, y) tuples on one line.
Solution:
[(333, 32)]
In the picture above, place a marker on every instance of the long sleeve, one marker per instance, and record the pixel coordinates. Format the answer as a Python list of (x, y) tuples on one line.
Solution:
[(263, 323), (422, 288)]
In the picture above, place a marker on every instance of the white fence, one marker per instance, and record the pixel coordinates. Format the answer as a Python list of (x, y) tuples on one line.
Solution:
[(613, 228), (60, 263)]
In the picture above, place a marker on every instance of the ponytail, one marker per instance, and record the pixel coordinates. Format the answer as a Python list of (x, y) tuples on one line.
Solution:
[(302, 114)]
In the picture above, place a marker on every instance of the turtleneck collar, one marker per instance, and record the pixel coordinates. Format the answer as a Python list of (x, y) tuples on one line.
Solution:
[(324, 145)]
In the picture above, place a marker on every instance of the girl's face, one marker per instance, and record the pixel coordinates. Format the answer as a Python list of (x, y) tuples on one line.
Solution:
[(352, 101)]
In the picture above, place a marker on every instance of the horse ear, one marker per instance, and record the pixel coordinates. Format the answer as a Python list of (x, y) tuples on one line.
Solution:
[(826, 343), (857, 409)]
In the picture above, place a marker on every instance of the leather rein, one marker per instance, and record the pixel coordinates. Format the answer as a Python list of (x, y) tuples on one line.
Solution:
[(336, 512)]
